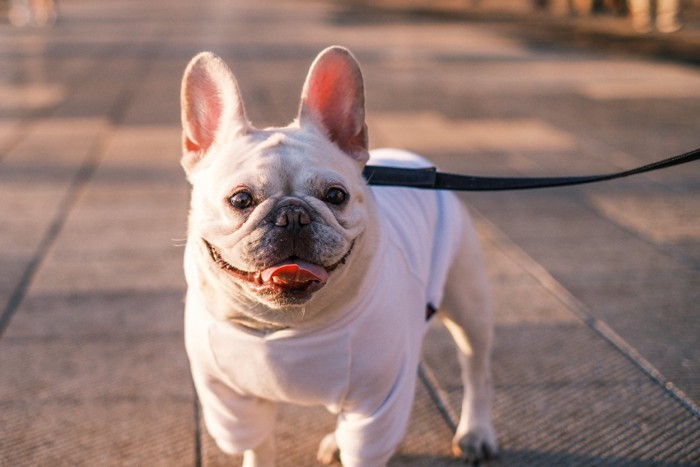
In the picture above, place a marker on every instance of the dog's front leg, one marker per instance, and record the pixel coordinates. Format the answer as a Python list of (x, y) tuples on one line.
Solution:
[(328, 451), (261, 456)]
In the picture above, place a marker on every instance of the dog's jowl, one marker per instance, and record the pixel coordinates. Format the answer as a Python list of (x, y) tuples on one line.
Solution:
[(307, 286)]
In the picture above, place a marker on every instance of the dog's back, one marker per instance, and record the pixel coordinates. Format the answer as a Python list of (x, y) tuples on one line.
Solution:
[(427, 225)]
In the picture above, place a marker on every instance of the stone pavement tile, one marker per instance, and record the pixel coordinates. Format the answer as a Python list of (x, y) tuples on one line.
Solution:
[(646, 294), (431, 133), (12, 267), (132, 199), (623, 303), (112, 243), (542, 215), (93, 368), (590, 425), (428, 40), (517, 297), (600, 403), (588, 243), (690, 249), (31, 82), (74, 275), (53, 149), (99, 90), (9, 131), (681, 291), (657, 89), (121, 314), (36, 177), (550, 90), (157, 100), (571, 163), (509, 300), (485, 163), (644, 129), (564, 396), (83, 396), (145, 153), (48, 158), (119, 237), (622, 278), (31, 96), (661, 217), (26, 214), (109, 432), (110, 219), (629, 257)]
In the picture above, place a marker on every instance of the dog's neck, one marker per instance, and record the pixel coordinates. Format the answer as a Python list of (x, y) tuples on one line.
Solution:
[(254, 326)]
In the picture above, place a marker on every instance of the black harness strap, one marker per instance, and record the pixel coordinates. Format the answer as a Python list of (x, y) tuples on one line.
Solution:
[(430, 178)]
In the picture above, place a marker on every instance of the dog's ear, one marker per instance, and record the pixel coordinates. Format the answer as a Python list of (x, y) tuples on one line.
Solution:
[(211, 107), (333, 98)]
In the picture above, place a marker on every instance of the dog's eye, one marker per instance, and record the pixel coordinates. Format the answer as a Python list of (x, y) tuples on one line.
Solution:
[(335, 196), (241, 200)]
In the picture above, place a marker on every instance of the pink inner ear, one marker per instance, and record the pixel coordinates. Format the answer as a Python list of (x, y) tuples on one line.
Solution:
[(330, 95), (204, 112), (334, 95)]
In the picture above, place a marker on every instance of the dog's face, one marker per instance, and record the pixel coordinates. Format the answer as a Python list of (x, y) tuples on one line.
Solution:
[(276, 213)]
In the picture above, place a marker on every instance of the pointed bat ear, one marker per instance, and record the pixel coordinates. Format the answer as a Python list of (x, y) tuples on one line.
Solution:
[(211, 107), (333, 99)]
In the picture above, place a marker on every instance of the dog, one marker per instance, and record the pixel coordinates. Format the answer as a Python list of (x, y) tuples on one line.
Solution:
[(307, 286)]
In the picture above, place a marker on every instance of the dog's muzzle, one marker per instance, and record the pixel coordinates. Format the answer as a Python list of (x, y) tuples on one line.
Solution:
[(294, 279)]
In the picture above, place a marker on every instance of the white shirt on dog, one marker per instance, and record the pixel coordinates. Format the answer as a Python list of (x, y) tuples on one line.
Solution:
[(352, 366)]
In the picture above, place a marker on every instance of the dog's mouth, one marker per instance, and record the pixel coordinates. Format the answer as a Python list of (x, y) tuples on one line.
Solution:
[(294, 278)]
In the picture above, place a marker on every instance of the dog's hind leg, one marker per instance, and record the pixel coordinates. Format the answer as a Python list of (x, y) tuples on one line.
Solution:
[(466, 312)]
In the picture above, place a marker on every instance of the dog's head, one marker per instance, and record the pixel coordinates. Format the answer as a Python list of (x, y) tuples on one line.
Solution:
[(278, 212)]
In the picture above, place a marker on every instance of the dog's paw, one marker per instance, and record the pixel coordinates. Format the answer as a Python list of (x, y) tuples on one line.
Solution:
[(476, 445), (328, 452)]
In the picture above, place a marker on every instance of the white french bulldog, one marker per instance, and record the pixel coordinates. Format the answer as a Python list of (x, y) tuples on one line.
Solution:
[(307, 286)]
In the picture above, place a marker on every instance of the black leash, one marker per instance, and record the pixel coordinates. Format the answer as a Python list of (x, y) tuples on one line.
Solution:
[(430, 178)]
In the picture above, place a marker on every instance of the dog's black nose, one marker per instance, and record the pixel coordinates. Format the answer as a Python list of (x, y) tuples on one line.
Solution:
[(292, 217)]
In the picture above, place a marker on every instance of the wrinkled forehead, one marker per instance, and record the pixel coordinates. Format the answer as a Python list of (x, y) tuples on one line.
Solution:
[(295, 157), (295, 147)]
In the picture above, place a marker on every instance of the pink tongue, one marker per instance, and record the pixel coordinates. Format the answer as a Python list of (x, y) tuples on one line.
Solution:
[(297, 272)]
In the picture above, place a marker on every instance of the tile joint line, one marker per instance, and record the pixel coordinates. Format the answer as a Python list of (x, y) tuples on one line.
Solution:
[(546, 280)]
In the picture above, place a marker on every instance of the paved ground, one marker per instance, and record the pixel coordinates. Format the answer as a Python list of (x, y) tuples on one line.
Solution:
[(597, 289)]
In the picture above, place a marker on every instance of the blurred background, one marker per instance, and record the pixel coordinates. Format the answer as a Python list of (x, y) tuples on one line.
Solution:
[(596, 288)]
